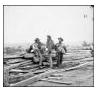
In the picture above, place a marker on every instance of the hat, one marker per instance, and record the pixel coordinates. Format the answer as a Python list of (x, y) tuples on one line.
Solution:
[(49, 36), (60, 38), (37, 39)]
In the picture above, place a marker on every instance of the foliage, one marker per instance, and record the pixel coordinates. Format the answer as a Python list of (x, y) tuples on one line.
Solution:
[(85, 44), (12, 50)]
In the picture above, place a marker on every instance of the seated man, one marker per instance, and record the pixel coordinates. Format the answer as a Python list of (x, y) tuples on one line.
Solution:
[(61, 49), (36, 48)]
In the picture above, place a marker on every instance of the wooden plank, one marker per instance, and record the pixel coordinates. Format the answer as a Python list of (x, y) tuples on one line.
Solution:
[(55, 81), (25, 64), (14, 61), (28, 55), (25, 55), (13, 57), (24, 75), (22, 71), (43, 75), (28, 66), (16, 65), (33, 79), (19, 71), (36, 71), (72, 58), (79, 60)]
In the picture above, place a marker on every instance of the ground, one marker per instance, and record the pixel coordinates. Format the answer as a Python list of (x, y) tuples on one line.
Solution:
[(78, 77), (81, 76)]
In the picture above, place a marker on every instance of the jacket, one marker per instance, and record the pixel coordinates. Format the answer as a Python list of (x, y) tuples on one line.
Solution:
[(50, 44)]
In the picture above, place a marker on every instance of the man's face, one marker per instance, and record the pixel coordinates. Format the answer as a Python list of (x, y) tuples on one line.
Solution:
[(37, 41), (48, 37), (60, 40)]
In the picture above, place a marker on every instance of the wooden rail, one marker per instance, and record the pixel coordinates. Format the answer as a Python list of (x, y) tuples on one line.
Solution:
[(16, 65), (43, 75)]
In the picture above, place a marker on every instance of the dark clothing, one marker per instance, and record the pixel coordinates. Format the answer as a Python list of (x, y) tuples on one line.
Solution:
[(50, 44), (59, 58), (60, 51), (36, 48), (39, 44), (29, 50), (60, 47)]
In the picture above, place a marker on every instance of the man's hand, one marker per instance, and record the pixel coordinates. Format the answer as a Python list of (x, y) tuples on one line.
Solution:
[(46, 49)]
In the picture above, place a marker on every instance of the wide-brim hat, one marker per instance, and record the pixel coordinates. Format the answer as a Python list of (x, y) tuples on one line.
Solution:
[(49, 36), (37, 39), (60, 38)]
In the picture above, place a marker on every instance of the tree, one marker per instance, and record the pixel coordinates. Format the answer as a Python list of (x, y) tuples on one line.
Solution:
[(85, 44)]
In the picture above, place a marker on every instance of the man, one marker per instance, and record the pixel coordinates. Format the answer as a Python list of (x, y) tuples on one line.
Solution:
[(60, 48), (36, 49), (50, 46)]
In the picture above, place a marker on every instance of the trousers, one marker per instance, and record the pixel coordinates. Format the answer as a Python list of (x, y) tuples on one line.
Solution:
[(59, 58)]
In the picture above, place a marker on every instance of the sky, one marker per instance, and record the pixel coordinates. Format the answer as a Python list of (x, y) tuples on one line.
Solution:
[(22, 24)]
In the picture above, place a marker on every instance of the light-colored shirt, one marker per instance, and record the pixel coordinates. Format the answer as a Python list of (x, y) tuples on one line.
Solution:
[(60, 47)]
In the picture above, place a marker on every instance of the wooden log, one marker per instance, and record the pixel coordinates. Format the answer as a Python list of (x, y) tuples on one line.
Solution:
[(69, 58), (33, 79), (25, 55), (28, 55), (55, 81), (25, 64), (19, 71), (33, 68), (20, 77), (41, 71), (12, 56), (43, 75), (24, 76), (79, 60), (15, 61), (16, 65), (31, 73)]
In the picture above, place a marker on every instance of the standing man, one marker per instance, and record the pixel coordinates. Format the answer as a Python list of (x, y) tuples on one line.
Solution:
[(50, 46), (61, 49)]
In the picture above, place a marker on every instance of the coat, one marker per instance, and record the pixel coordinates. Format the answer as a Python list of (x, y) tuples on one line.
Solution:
[(50, 44), (61, 48)]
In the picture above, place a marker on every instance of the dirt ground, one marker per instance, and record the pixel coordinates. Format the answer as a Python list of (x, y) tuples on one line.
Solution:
[(82, 76)]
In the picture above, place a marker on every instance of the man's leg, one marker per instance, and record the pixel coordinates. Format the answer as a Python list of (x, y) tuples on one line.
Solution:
[(40, 55), (58, 59), (61, 57), (50, 60)]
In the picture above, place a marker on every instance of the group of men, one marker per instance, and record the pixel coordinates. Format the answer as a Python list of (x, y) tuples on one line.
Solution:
[(59, 48)]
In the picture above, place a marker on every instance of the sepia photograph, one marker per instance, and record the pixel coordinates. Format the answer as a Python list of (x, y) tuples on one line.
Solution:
[(48, 45)]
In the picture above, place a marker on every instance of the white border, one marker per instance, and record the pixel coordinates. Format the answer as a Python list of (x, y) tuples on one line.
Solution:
[(53, 89)]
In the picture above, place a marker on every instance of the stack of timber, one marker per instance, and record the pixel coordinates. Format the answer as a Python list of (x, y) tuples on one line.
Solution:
[(19, 68)]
